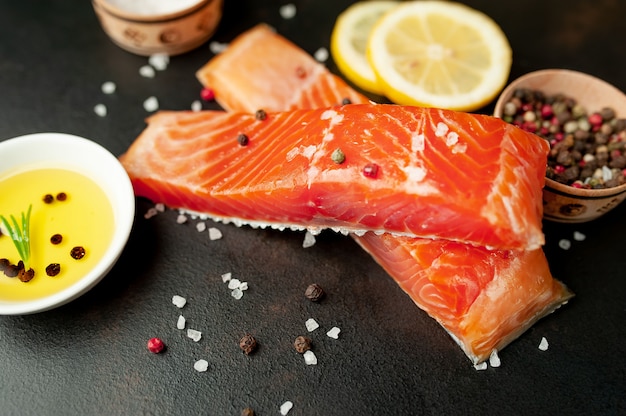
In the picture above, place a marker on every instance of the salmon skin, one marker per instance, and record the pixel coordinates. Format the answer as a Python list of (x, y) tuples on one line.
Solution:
[(407, 170), (484, 299)]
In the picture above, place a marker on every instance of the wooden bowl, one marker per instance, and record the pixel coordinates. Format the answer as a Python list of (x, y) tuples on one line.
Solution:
[(564, 203), (172, 33)]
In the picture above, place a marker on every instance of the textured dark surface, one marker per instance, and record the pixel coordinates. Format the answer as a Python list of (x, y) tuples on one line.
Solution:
[(90, 356)]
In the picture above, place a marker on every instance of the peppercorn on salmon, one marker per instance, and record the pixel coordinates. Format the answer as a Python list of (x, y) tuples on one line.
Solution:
[(408, 171)]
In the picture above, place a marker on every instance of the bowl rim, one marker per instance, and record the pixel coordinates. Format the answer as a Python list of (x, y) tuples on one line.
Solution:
[(52, 152), (149, 18), (553, 185)]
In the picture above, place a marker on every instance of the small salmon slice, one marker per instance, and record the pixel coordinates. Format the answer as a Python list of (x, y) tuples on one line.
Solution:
[(407, 171), (248, 73), (484, 299)]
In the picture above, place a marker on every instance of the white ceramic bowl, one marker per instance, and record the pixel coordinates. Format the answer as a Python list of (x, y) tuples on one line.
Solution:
[(93, 161), (564, 203)]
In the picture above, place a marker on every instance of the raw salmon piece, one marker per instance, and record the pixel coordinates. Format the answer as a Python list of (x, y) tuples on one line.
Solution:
[(249, 83), (484, 299), (434, 173)]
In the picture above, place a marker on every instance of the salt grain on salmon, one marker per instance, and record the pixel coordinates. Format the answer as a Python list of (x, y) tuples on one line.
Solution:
[(201, 366), (311, 324), (334, 332), (179, 301), (180, 323), (309, 358), (543, 344), (151, 104), (194, 334), (100, 110), (214, 234), (285, 408)]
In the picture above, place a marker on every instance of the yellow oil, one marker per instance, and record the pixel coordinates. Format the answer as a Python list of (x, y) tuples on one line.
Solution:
[(84, 219)]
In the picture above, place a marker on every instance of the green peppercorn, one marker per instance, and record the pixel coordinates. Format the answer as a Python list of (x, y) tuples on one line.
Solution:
[(338, 156)]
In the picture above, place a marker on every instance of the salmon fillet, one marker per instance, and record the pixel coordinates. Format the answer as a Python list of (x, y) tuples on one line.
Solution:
[(304, 82), (432, 173)]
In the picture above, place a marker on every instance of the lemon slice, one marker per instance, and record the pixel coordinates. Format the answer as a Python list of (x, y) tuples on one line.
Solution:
[(439, 54), (349, 38)]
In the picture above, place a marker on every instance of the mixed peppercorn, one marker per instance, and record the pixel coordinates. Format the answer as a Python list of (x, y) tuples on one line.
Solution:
[(587, 150)]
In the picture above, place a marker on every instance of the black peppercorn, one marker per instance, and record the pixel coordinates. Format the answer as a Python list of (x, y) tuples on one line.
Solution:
[(243, 140), (53, 269), (302, 344), (260, 114), (77, 252), (314, 292), (247, 344)]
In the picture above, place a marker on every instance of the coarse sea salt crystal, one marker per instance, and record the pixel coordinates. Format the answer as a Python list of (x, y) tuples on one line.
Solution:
[(311, 324), (309, 240), (309, 358), (237, 293), (481, 366), (286, 407), (201, 226), (108, 87), (226, 277), (321, 55), (159, 61), (334, 332), (543, 345), (179, 301), (181, 219), (151, 212), (196, 105), (180, 324), (100, 109), (147, 71), (234, 284), (194, 335), (214, 234), (151, 104), (494, 359), (201, 366), (217, 47), (565, 244), (578, 236), (287, 11), (243, 286)]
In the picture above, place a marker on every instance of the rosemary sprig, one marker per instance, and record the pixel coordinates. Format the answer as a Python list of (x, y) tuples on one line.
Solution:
[(20, 235)]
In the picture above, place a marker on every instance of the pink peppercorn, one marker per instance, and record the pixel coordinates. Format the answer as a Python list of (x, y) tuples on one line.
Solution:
[(370, 170), (559, 169), (546, 111), (155, 345), (529, 126), (207, 94), (577, 184), (595, 119)]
